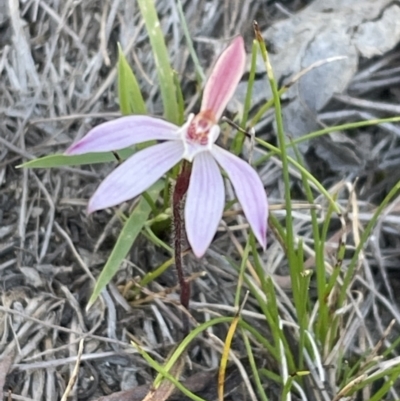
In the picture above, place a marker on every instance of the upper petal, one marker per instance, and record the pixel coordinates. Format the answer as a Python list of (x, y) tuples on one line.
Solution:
[(204, 203), (224, 78), (136, 174), (249, 190), (124, 132)]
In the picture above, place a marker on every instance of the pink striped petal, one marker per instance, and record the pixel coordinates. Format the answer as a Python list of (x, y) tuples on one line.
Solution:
[(124, 132), (136, 174), (249, 190), (224, 78), (204, 203)]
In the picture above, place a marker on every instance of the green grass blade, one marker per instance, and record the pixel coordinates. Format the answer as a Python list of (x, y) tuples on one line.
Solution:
[(319, 249), (275, 226), (299, 167), (129, 233), (129, 94), (163, 66), (260, 337), (165, 374), (239, 138), (241, 273), (60, 160), (364, 238), (260, 388), (250, 85), (343, 127), (180, 100), (380, 394), (199, 70), (262, 110), (293, 253), (187, 340), (270, 310), (149, 233), (282, 147), (286, 389), (149, 277), (271, 376)]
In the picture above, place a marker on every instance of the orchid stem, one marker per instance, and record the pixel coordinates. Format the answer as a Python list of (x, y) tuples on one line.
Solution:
[(181, 187)]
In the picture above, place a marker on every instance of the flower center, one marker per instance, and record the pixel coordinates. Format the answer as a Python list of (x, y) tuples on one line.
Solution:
[(199, 128)]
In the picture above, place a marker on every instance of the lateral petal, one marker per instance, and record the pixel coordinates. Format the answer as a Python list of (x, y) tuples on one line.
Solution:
[(124, 132), (204, 203), (224, 78), (136, 174), (249, 190)]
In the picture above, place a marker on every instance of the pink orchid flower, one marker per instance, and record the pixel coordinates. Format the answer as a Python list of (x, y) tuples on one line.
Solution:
[(195, 142)]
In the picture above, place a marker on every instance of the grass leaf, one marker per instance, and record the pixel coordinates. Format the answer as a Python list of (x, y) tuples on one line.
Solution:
[(163, 66), (239, 137), (127, 237), (60, 160), (199, 70), (130, 97)]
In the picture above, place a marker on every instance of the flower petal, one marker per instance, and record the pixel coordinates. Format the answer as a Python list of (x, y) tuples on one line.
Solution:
[(249, 190), (224, 78), (136, 174), (204, 203), (124, 132)]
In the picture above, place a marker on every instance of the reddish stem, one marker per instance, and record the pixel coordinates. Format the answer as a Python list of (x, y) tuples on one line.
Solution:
[(181, 187)]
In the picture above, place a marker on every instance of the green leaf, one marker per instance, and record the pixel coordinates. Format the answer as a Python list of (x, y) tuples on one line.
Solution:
[(201, 77), (132, 228), (60, 160), (180, 100), (239, 138), (130, 97), (163, 66)]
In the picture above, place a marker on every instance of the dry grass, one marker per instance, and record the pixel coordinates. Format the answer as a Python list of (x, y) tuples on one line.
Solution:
[(57, 66)]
